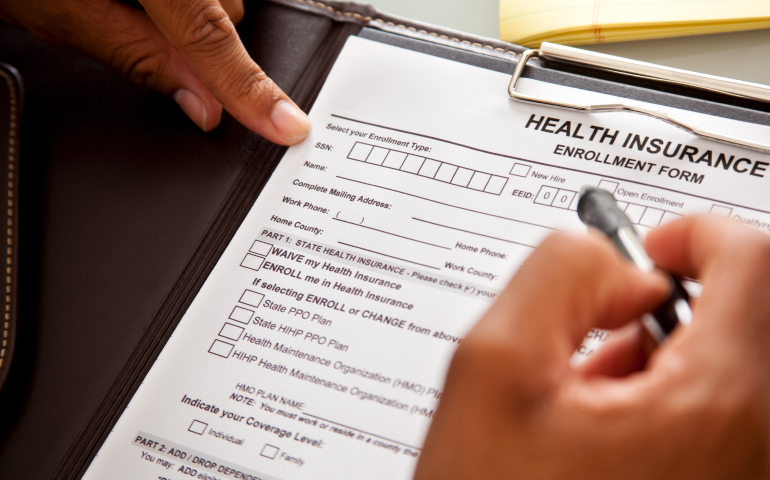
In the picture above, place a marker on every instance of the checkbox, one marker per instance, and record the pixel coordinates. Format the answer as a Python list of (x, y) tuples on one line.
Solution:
[(609, 186), (221, 348), (253, 262), (232, 332), (261, 248), (721, 210), (198, 427), (520, 170), (269, 451), (252, 298), (242, 315)]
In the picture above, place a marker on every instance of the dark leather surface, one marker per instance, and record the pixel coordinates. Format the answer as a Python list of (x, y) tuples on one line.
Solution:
[(118, 190), (11, 102)]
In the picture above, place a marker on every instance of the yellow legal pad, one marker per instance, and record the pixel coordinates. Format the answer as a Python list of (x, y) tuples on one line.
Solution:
[(580, 22)]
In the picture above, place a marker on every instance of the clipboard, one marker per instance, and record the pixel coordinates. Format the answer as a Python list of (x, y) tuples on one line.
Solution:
[(657, 73), (109, 331)]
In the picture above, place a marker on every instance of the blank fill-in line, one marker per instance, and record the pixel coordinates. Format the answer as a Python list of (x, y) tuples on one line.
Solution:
[(473, 233), (389, 233), (448, 204), (389, 256), (362, 431)]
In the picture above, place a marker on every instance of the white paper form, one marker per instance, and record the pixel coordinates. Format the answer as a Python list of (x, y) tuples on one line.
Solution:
[(318, 346)]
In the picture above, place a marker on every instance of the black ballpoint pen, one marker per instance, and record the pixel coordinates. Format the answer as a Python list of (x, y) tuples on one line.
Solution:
[(599, 209)]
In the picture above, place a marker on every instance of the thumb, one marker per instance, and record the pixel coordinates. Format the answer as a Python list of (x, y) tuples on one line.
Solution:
[(207, 41), (126, 40)]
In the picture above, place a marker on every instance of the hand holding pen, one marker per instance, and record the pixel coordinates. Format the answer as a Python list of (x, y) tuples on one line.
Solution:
[(599, 209), (697, 407)]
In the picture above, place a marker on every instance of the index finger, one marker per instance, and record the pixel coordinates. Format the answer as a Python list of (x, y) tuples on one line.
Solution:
[(206, 39), (693, 245)]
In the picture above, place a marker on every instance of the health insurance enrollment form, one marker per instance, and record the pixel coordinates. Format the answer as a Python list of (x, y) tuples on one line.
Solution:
[(317, 347)]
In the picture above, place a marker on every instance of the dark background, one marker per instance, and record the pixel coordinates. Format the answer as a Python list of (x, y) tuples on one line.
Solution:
[(118, 189)]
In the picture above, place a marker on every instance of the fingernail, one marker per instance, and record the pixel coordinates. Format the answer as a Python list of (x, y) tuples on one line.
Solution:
[(289, 121), (193, 106)]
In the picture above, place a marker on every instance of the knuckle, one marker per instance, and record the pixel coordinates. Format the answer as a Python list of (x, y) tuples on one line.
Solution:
[(140, 61), (206, 29), (208, 32), (251, 85)]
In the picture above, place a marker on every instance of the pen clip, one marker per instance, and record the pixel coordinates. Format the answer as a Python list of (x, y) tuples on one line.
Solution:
[(609, 62)]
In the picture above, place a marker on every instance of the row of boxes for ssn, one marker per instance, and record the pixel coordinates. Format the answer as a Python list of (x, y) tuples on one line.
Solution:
[(427, 167)]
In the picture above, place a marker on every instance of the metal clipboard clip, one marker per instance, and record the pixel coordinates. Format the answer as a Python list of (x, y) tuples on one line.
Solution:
[(635, 68)]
